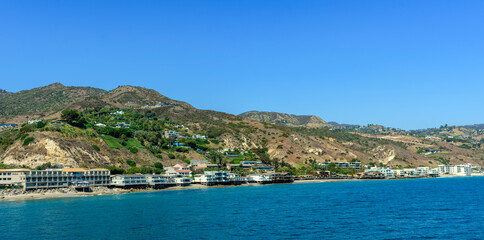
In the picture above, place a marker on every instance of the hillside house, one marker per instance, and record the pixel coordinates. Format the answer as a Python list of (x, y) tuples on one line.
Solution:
[(178, 169)]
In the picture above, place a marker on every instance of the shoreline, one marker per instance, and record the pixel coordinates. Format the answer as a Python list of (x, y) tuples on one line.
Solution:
[(56, 194)]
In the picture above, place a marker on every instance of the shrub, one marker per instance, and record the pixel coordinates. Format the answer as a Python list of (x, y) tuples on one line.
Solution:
[(44, 166), (133, 170), (40, 124), (133, 150), (146, 170), (116, 170), (181, 149), (27, 141), (171, 156), (131, 163), (158, 165), (96, 147)]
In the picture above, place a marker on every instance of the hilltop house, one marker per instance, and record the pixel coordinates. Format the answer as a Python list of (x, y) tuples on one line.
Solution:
[(5, 126), (168, 134)]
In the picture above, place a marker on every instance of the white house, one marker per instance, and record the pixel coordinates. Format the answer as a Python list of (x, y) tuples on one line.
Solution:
[(259, 178), (213, 177), (132, 180), (178, 169)]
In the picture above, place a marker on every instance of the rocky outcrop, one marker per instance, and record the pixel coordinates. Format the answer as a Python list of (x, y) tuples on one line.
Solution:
[(49, 148)]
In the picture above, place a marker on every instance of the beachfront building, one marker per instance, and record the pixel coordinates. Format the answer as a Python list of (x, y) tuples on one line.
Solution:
[(181, 180), (259, 178), (156, 181), (461, 169), (213, 178), (55, 178), (12, 177), (236, 179), (387, 172), (129, 181)]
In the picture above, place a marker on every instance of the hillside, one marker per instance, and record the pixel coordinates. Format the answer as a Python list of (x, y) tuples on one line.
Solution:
[(43, 101), (285, 119), (50, 100), (112, 128), (3, 93)]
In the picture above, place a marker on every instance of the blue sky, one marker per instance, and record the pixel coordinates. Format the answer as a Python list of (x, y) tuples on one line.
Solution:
[(405, 64)]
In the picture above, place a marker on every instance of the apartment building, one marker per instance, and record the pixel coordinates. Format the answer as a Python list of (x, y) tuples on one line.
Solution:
[(55, 178)]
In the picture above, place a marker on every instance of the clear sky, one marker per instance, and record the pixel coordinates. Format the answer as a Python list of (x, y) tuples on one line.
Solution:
[(405, 64)]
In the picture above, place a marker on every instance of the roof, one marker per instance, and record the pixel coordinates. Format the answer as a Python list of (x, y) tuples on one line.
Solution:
[(99, 169), (129, 175), (183, 170), (74, 170), (15, 170)]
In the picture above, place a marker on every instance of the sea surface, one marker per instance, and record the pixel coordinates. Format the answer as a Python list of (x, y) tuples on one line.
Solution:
[(444, 208)]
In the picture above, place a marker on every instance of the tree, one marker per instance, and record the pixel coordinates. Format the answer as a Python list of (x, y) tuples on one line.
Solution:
[(131, 163), (158, 165), (215, 157), (74, 118)]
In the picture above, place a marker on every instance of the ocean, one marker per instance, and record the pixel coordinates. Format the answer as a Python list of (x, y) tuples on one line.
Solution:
[(441, 208)]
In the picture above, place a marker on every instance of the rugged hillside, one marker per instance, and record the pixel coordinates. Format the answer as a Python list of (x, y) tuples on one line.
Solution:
[(76, 150), (296, 140), (285, 119)]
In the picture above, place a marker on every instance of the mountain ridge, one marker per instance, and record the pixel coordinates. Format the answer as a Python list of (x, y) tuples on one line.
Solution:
[(286, 119)]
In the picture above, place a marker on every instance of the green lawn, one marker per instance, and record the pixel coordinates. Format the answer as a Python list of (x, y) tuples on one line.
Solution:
[(133, 143), (112, 142)]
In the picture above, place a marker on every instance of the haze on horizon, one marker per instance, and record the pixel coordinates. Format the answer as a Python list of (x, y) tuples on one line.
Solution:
[(403, 64)]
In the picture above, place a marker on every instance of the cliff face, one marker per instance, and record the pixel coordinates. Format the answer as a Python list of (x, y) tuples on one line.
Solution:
[(285, 119), (56, 148)]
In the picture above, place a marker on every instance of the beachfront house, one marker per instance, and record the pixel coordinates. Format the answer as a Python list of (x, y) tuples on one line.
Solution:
[(129, 181), (460, 170), (213, 178), (259, 178), (156, 181), (387, 172), (183, 181)]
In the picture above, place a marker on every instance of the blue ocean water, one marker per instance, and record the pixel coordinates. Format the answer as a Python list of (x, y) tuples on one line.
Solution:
[(447, 208)]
